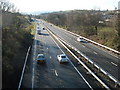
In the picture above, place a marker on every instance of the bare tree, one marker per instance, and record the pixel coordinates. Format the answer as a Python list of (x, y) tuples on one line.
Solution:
[(7, 6)]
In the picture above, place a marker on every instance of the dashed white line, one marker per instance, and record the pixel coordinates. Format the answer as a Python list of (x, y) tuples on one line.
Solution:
[(56, 73), (50, 57), (95, 53), (116, 56), (114, 64), (104, 51), (83, 45)]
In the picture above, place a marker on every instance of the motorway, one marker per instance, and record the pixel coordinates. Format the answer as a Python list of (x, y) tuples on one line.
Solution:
[(52, 74), (104, 59)]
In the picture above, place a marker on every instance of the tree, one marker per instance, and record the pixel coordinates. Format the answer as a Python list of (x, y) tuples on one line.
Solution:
[(7, 6)]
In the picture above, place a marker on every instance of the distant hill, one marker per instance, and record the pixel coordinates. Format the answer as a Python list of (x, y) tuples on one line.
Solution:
[(36, 12)]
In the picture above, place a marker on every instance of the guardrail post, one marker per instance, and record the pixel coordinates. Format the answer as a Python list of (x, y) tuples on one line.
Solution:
[(93, 64), (98, 69), (116, 84), (86, 61)]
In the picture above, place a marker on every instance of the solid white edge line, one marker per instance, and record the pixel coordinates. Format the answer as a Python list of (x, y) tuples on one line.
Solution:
[(81, 75), (57, 45)]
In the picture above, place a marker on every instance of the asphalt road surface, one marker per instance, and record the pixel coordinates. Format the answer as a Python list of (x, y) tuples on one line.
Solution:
[(52, 74), (104, 59)]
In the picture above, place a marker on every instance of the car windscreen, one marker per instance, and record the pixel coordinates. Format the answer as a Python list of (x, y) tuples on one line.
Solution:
[(81, 38), (63, 56), (41, 57)]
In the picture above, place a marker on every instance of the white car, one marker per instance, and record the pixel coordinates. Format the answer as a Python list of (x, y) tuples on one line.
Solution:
[(80, 39), (62, 58), (41, 58)]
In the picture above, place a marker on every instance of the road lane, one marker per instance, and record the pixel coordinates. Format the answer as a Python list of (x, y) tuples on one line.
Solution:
[(102, 58), (53, 74)]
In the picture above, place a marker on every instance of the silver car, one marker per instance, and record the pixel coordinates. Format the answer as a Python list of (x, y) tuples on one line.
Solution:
[(62, 58), (80, 39)]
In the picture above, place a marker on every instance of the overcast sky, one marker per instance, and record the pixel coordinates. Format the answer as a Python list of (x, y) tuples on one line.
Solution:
[(62, 5)]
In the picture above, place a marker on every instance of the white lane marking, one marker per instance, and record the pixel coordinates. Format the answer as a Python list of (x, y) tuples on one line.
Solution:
[(47, 48), (114, 64), (33, 79), (104, 50), (33, 72), (57, 45), (95, 53), (83, 45), (50, 57), (116, 56), (56, 73), (80, 74)]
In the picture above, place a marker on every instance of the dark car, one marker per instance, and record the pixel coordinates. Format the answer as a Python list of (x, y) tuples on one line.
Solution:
[(40, 58), (43, 28)]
